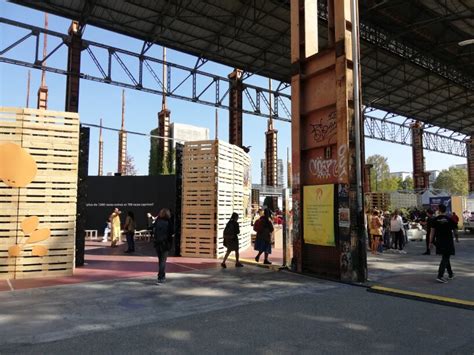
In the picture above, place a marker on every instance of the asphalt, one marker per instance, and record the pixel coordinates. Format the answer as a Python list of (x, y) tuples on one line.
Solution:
[(231, 311), (417, 273)]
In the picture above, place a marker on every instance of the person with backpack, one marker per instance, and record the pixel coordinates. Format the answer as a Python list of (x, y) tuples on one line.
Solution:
[(263, 241), (162, 241), (129, 228), (231, 240)]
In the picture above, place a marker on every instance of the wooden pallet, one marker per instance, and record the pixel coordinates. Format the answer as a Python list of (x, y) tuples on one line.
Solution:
[(216, 183), (51, 138)]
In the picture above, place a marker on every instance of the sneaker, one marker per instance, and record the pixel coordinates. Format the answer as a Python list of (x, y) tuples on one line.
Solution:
[(239, 265), (267, 262), (257, 258), (450, 277), (426, 253), (441, 280), (160, 281), (223, 265)]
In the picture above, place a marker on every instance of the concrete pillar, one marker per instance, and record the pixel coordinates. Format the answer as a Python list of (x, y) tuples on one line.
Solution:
[(420, 178), (73, 67), (470, 164), (235, 107), (323, 147)]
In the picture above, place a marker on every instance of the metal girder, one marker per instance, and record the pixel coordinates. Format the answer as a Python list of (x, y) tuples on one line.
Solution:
[(380, 129), (199, 82)]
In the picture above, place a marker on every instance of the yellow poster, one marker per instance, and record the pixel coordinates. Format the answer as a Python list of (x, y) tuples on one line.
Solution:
[(318, 215)]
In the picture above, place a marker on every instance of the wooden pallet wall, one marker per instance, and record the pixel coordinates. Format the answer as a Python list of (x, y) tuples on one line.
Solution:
[(51, 138), (216, 183)]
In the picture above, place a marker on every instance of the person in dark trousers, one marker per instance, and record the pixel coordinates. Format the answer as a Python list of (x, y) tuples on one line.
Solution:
[(428, 224), (263, 241), (442, 237), (129, 228), (162, 241), (231, 239), (455, 219)]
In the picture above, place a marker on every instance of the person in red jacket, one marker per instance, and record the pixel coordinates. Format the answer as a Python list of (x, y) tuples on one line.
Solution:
[(455, 219)]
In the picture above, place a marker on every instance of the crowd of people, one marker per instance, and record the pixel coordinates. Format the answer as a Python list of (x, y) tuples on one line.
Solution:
[(389, 231)]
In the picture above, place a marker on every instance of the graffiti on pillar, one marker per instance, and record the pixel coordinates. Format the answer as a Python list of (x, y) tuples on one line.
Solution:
[(17, 170), (323, 168), (346, 260), (324, 130), (296, 220), (342, 162)]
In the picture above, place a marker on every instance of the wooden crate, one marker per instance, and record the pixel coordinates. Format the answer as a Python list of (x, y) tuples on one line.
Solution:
[(379, 200), (216, 183), (51, 138)]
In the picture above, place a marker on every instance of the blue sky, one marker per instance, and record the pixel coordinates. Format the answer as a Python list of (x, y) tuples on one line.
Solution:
[(99, 100)]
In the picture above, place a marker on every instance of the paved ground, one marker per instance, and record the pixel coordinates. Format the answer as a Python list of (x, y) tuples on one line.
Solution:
[(416, 272), (248, 310)]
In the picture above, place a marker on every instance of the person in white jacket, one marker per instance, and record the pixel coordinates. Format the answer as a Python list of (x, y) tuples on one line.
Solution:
[(396, 230)]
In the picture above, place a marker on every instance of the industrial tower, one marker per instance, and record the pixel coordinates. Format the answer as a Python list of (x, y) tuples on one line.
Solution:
[(101, 151), (271, 156), (122, 148), (43, 89)]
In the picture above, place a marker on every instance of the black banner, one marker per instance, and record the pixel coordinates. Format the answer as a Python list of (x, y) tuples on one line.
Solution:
[(139, 194)]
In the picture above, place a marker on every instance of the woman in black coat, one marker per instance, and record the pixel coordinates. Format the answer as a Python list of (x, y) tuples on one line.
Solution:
[(231, 239)]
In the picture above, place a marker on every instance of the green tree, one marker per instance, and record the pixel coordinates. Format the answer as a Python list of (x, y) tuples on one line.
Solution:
[(453, 180), (406, 184), (157, 164), (380, 173)]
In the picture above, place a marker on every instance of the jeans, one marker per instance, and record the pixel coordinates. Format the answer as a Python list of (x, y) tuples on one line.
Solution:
[(162, 255), (398, 239), (131, 241), (445, 264)]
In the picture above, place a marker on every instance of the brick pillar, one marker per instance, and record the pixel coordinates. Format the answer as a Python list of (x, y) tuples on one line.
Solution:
[(235, 107), (420, 178)]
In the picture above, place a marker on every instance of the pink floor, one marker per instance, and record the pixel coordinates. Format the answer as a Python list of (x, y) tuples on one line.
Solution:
[(105, 263)]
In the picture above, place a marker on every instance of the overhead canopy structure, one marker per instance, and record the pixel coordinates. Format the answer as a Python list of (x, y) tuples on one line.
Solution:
[(412, 63)]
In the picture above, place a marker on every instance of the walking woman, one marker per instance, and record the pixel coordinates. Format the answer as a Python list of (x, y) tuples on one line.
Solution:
[(263, 242), (129, 229), (231, 239), (162, 240), (375, 231), (116, 232)]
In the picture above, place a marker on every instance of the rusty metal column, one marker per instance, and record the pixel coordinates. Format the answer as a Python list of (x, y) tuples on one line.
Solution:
[(235, 107), (470, 164), (367, 177), (73, 67), (325, 166), (72, 105), (420, 179)]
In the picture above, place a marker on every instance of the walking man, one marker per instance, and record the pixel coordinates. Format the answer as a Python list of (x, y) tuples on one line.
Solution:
[(442, 237)]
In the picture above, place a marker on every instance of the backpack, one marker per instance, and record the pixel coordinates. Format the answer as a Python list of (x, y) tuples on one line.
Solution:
[(160, 231)]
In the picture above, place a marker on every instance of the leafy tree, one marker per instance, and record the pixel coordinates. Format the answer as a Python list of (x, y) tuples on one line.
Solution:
[(406, 184), (453, 180), (380, 175), (130, 168), (157, 164)]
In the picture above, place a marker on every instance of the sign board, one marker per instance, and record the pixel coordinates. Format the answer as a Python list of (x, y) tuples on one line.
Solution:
[(318, 215)]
